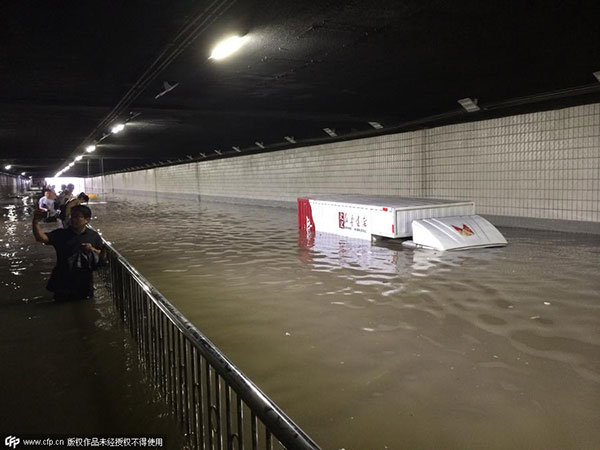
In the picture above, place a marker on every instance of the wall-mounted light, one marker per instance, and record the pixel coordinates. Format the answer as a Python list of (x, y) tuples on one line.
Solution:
[(90, 148), (227, 47), (117, 128), (469, 104)]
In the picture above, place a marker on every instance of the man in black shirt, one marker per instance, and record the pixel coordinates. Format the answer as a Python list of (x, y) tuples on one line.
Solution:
[(78, 252)]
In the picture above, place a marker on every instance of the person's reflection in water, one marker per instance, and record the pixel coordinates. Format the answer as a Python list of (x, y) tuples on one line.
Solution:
[(79, 251)]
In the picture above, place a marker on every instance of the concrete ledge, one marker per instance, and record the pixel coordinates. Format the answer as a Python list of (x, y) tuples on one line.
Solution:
[(249, 201), (570, 226), (153, 194), (203, 198)]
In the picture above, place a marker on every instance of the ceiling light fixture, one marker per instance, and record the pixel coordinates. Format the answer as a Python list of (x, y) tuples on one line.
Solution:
[(8, 167), (117, 128), (290, 139), (330, 132), (376, 125), (23, 173), (227, 47), (79, 158), (597, 75), (217, 152), (259, 144), (469, 104), (237, 149), (90, 148)]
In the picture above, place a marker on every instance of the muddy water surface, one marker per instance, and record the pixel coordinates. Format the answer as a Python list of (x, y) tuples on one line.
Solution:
[(375, 346), (67, 369)]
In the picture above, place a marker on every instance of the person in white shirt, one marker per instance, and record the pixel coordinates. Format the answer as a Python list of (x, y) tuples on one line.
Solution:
[(46, 204)]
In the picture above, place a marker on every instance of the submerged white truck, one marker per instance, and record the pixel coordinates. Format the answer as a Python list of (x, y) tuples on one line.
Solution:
[(433, 223)]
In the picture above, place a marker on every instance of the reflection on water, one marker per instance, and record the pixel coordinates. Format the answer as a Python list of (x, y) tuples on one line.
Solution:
[(66, 368), (373, 346)]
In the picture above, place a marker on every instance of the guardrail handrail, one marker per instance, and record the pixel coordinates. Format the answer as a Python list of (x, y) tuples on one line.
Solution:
[(274, 419)]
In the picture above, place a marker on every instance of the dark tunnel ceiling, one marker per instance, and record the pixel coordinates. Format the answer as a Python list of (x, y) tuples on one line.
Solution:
[(72, 69)]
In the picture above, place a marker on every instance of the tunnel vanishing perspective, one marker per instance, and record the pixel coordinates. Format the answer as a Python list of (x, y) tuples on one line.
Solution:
[(237, 311)]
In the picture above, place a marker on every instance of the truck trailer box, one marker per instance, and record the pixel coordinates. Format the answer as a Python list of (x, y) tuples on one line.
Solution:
[(366, 216)]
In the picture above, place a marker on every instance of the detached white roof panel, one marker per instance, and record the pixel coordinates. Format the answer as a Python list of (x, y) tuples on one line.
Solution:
[(455, 233)]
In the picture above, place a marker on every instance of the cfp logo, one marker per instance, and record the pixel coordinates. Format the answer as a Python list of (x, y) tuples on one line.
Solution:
[(12, 441)]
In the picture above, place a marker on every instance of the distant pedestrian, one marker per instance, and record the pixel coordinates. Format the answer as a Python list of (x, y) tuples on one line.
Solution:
[(46, 204), (79, 251), (62, 199), (65, 210)]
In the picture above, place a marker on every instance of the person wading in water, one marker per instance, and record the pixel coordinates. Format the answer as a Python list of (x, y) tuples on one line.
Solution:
[(79, 251)]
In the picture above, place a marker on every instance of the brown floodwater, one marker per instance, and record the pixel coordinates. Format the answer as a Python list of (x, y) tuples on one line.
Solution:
[(373, 346), (67, 369), (366, 346)]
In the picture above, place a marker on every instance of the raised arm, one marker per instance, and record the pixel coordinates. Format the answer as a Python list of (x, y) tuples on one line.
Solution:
[(38, 233)]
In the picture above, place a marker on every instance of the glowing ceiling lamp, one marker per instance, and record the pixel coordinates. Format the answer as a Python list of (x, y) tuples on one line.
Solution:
[(23, 173), (78, 158), (90, 148), (8, 167), (227, 47), (117, 128)]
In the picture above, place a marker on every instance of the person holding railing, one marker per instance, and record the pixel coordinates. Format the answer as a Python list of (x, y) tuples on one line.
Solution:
[(79, 251)]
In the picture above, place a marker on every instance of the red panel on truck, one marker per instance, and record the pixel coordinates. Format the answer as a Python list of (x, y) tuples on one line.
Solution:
[(305, 218)]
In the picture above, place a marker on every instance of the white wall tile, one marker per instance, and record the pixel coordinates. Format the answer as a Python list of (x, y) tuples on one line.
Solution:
[(540, 165)]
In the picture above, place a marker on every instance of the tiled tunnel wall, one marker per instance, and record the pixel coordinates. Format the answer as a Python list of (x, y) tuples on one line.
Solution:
[(520, 170), (11, 184)]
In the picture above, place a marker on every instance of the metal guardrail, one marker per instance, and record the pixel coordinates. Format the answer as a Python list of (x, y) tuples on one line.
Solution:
[(215, 403)]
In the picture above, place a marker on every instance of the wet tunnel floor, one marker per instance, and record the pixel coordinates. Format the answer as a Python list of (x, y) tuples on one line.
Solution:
[(67, 369)]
